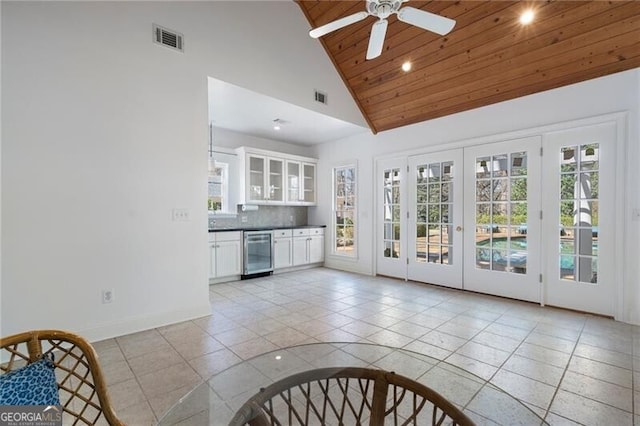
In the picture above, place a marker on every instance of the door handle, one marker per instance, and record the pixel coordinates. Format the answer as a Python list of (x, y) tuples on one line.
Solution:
[(458, 228)]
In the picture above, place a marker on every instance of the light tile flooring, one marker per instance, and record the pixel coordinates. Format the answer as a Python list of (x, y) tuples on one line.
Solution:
[(570, 368)]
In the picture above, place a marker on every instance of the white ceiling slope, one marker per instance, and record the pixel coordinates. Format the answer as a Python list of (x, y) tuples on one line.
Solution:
[(264, 47), (241, 110)]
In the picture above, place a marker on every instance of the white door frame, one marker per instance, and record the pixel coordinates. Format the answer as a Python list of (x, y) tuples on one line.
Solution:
[(446, 274), (508, 281), (601, 297), (393, 267), (621, 120)]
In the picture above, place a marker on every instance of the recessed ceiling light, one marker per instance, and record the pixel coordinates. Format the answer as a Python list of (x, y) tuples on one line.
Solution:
[(527, 17), (406, 67)]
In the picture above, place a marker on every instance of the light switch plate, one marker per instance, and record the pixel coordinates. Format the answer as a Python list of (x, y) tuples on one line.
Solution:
[(181, 215)]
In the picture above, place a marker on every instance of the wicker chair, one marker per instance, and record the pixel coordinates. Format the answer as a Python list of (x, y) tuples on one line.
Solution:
[(81, 386), (348, 396)]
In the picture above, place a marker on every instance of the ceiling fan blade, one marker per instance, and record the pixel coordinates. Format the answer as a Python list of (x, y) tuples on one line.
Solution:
[(426, 20), (376, 40), (337, 24)]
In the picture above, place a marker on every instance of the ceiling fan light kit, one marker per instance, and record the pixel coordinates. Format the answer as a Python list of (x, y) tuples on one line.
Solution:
[(382, 9)]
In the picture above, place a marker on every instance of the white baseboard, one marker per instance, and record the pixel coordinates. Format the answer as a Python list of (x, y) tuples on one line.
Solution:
[(296, 268), (347, 266), (141, 323)]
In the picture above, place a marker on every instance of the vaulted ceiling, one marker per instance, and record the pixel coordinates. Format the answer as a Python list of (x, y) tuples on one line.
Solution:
[(489, 56)]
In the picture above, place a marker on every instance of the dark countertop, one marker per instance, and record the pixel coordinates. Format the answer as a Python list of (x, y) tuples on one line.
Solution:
[(264, 228)]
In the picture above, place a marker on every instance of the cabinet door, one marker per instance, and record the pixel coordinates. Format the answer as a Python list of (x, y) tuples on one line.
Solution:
[(316, 248), (275, 193), (293, 182), (309, 183), (228, 258), (212, 260), (282, 252), (256, 178), (300, 256)]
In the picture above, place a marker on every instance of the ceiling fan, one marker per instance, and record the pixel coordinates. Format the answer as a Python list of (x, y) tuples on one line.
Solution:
[(382, 9)]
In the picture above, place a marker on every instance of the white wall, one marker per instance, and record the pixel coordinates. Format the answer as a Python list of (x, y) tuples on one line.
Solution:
[(105, 133), (226, 138), (615, 93), (0, 169)]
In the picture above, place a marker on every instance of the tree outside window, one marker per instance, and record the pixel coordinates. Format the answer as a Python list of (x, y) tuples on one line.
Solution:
[(344, 212)]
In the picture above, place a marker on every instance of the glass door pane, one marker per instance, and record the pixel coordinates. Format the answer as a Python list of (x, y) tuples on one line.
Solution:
[(276, 180), (578, 221), (501, 212), (293, 181), (309, 174), (435, 240), (257, 169), (391, 218), (502, 218)]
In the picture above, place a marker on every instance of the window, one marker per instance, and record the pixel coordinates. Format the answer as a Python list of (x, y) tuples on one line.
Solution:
[(218, 200), (344, 210)]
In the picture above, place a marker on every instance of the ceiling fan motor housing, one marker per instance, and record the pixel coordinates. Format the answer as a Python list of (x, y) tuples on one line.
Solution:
[(383, 8)]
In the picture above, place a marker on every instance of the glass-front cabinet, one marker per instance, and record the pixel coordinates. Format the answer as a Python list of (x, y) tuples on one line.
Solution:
[(301, 183), (276, 178), (309, 183), (293, 182), (265, 180)]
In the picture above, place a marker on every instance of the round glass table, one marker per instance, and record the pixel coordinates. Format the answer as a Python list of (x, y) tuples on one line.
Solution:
[(215, 401)]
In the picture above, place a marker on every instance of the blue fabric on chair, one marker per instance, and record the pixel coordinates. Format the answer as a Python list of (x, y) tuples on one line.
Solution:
[(33, 384)]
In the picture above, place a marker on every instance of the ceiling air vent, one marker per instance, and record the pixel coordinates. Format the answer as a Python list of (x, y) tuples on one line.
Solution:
[(168, 38), (321, 97)]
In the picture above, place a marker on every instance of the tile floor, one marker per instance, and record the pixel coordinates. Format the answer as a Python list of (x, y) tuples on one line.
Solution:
[(570, 368)]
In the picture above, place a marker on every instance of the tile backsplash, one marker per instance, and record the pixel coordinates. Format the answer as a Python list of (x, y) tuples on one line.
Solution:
[(264, 216)]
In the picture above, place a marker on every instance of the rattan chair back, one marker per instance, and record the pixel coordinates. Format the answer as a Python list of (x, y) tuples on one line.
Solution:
[(348, 396), (82, 388)]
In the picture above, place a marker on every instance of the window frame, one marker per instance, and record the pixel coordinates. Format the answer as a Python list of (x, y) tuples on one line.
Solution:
[(353, 254), (224, 189)]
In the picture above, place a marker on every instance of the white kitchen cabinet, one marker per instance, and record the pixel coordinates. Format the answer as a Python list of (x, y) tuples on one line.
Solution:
[(300, 250), (309, 183), (283, 248), (275, 178), (301, 183), (265, 179), (308, 246), (316, 248), (225, 254)]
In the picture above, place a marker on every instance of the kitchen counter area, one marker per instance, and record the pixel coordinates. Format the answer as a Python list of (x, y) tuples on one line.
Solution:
[(264, 228), (242, 252)]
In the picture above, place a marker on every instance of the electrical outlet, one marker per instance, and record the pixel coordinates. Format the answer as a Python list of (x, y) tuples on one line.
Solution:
[(107, 295), (181, 215)]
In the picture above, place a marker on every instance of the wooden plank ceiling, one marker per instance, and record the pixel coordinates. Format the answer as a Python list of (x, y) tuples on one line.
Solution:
[(489, 56)]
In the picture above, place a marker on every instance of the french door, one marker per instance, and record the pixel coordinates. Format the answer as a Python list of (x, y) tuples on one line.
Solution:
[(502, 219), (435, 218), (579, 229), (391, 221), (481, 217)]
